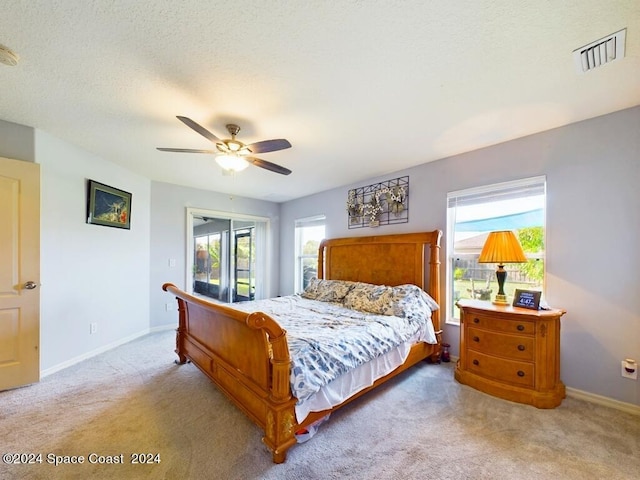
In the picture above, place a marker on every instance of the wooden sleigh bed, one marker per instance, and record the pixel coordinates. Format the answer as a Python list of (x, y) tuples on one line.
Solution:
[(247, 356)]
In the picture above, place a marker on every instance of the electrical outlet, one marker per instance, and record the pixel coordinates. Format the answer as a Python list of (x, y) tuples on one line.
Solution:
[(624, 365), (93, 328)]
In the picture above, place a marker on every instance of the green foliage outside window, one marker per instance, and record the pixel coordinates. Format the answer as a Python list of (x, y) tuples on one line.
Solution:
[(214, 254), (532, 241), (311, 247)]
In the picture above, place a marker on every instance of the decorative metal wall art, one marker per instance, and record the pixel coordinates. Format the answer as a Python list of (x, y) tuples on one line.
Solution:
[(384, 203)]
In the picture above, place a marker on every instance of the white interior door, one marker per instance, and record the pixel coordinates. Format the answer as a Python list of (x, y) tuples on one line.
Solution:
[(19, 273)]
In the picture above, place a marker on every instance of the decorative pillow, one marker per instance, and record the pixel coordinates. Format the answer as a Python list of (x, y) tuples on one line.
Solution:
[(402, 291), (370, 298), (409, 299), (327, 290)]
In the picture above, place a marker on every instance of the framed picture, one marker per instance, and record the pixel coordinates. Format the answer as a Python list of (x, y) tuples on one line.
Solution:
[(527, 299), (108, 206)]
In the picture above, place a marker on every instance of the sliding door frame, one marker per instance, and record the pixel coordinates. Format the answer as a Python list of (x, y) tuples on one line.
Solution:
[(264, 277)]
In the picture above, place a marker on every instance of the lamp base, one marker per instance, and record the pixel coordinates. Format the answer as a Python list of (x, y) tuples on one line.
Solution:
[(500, 300)]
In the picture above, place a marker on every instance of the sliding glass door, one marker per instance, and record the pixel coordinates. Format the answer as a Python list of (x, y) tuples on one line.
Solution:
[(227, 256), (211, 260)]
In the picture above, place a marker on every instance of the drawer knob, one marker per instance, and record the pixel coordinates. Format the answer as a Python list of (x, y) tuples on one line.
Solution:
[(476, 320), (521, 348), (476, 362), (476, 339), (520, 373), (520, 328)]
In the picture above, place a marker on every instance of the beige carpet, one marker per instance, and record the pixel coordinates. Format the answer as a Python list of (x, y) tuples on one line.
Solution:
[(423, 425)]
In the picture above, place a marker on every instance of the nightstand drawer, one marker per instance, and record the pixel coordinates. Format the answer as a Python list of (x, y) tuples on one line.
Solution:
[(504, 345), (497, 324), (518, 373)]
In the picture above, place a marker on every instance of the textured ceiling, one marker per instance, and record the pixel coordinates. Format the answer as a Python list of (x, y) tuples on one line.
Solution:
[(360, 88)]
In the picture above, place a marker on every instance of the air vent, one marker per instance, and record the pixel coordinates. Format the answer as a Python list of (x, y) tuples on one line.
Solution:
[(600, 52)]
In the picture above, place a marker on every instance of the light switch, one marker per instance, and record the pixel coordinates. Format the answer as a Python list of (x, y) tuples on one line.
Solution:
[(172, 262)]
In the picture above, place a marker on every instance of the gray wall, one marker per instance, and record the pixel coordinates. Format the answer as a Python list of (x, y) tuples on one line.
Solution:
[(168, 232), (593, 226), (17, 141)]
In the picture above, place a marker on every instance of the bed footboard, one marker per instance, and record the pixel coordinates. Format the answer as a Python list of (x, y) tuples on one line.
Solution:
[(247, 357)]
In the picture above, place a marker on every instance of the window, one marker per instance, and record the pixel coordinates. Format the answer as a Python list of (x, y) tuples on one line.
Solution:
[(471, 214), (309, 234)]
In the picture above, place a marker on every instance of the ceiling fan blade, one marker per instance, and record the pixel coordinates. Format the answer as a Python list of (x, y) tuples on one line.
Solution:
[(186, 150), (269, 145), (267, 165), (198, 128)]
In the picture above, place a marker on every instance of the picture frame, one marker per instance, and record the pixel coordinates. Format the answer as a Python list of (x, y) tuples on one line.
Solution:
[(527, 299), (108, 206)]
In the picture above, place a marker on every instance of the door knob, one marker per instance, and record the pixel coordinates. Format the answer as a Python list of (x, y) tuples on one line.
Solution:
[(30, 285)]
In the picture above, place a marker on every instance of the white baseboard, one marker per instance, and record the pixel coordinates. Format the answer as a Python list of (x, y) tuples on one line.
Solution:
[(605, 401), (98, 351), (92, 353), (163, 328)]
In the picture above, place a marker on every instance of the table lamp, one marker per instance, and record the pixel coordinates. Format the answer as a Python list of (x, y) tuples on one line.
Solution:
[(501, 247)]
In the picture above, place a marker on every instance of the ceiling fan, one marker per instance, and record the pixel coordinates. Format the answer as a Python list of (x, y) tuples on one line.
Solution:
[(233, 155)]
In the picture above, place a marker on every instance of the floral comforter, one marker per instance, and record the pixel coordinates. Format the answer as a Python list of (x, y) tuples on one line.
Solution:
[(326, 339)]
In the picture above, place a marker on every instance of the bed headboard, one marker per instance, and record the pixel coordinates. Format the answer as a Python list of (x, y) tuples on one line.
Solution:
[(385, 260)]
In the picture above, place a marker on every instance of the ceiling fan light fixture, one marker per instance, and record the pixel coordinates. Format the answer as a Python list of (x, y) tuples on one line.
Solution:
[(232, 155), (233, 145), (223, 148), (233, 163)]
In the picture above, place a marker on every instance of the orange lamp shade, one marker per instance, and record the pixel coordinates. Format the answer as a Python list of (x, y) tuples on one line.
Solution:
[(502, 247)]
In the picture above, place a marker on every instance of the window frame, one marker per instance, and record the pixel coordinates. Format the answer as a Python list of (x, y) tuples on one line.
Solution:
[(510, 190), (300, 224)]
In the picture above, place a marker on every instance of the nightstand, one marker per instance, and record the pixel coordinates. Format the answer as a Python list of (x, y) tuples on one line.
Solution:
[(510, 352)]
